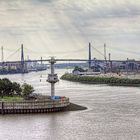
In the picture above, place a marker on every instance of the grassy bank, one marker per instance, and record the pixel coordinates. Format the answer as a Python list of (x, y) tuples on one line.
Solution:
[(11, 98), (102, 80)]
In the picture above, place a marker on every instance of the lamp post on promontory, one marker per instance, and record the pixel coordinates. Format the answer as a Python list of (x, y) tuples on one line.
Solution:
[(52, 78)]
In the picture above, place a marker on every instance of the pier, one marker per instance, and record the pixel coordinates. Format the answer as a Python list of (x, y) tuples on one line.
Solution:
[(39, 106)]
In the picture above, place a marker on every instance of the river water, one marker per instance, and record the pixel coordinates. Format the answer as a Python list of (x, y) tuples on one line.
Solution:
[(113, 113)]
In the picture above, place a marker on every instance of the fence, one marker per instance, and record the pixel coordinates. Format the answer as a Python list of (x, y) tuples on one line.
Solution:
[(39, 106)]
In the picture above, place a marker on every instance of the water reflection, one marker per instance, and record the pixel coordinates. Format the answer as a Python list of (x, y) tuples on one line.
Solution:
[(113, 113)]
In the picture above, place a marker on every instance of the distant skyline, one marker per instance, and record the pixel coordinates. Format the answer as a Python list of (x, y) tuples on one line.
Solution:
[(63, 28)]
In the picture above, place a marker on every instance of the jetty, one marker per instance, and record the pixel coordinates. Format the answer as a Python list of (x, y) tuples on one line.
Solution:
[(39, 106)]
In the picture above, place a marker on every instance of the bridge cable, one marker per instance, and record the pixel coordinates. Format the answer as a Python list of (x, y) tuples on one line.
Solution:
[(12, 54)]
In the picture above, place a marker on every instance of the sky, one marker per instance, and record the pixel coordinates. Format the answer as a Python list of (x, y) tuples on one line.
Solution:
[(63, 28)]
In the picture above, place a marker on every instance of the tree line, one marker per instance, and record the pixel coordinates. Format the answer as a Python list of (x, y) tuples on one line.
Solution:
[(9, 88), (102, 80)]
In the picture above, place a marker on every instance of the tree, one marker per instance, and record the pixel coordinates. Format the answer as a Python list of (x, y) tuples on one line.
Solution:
[(27, 90), (16, 89), (1, 88), (5, 87)]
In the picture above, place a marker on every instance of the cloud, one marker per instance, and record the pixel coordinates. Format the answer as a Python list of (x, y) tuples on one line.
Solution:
[(70, 24)]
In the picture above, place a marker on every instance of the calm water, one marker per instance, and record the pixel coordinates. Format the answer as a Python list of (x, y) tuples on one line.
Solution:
[(113, 113)]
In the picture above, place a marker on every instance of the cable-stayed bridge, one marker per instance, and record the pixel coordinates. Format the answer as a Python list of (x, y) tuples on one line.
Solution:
[(22, 63)]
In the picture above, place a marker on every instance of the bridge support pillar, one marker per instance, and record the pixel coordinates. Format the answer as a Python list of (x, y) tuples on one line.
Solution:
[(22, 59), (89, 59)]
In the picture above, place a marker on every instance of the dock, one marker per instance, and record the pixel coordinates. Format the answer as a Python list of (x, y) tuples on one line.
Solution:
[(40, 106)]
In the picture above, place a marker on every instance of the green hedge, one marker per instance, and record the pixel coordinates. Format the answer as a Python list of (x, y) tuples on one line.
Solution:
[(102, 80)]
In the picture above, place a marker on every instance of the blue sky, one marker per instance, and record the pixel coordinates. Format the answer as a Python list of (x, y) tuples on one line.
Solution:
[(63, 28)]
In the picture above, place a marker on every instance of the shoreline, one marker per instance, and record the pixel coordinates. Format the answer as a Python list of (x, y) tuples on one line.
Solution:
[(43, 106), (75, 107), (111, 81)]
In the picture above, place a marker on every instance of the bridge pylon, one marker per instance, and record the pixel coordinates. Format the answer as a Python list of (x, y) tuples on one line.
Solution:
[(89, 59), (22, 59)]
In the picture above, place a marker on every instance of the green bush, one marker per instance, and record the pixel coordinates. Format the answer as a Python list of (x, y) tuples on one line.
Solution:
[(101, 80), (8, 88), (27, 90)]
